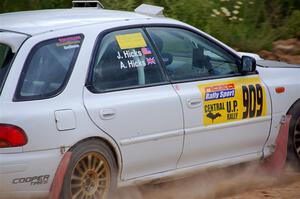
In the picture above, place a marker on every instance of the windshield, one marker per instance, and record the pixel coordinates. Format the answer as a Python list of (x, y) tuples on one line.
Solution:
[(6, 57)]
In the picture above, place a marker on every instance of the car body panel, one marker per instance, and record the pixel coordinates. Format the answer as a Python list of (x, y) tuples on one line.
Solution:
[(225, 137), (146, 121), (276, 64), (37, 22), (14, 40), (281, 102), (22, 174)]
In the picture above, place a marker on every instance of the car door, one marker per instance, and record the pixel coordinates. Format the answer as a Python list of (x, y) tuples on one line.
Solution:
[(226, 114), (129, 98)]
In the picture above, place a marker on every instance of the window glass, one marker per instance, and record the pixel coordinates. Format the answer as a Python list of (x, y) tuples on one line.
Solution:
[(187, 55), (6, 56), (48, 67), (125, 59)]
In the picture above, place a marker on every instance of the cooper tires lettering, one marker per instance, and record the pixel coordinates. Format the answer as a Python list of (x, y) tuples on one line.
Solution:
[(35, 180)]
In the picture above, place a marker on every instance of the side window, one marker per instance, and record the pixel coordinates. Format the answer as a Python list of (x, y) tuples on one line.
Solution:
[(125, 59), (188, 56), (48, 68), (6, 57)]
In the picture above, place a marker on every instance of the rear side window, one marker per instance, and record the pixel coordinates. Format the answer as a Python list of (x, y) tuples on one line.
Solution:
[(48, 68), (6, 57), (125, 59)]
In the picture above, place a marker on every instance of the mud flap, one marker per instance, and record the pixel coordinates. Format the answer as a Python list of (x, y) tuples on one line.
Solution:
[(58, 180), (275, 164)]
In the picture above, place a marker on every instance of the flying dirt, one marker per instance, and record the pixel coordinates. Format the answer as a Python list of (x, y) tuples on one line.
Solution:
[(239, 182)]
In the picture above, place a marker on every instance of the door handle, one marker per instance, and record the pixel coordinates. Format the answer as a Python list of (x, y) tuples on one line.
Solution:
[(194, 103), (107, 114)]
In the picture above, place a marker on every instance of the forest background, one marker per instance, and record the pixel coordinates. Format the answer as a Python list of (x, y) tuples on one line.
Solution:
[(246, 25)]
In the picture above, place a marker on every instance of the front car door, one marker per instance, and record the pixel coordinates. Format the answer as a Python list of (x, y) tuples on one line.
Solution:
[(129, 98), (226, 114)]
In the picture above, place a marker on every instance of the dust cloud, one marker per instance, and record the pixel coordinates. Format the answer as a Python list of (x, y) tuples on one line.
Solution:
[(229, 183)]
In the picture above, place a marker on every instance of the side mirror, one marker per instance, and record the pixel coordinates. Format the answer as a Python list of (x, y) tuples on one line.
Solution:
[(248, 64)]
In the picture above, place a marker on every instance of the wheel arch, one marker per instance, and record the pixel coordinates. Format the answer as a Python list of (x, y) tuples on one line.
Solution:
[(113, 147), (293, 155), (297, 102)]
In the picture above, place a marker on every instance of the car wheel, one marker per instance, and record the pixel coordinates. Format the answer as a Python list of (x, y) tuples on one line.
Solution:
[(91, 173), (294, 137)]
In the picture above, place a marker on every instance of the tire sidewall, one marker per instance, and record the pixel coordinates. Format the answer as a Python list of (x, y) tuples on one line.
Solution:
[(78, 152), (293, 158)]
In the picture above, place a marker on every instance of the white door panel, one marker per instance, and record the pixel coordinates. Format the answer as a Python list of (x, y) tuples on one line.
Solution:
[(207, 145), (147, 123), (224, 117), (220, 139)]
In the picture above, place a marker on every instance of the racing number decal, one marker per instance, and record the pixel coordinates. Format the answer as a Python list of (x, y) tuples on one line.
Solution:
[(253, 101), (234, 100)]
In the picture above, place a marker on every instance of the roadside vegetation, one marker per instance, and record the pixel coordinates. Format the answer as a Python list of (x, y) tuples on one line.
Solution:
[(247, 25)]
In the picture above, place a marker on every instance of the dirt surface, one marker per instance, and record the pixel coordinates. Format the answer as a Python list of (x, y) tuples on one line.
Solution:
[(241, 182), (284, 50)]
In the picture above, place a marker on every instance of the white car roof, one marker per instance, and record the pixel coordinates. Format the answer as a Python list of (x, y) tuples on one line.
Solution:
[(36, 22)]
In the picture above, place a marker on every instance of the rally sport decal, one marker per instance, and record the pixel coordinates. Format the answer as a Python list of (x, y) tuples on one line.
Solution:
[(233, 100)]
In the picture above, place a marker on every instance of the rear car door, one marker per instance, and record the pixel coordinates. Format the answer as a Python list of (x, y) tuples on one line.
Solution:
[(128, 97), (226, 114)]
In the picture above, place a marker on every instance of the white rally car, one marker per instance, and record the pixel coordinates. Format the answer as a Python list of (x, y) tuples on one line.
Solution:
[(93, 99)]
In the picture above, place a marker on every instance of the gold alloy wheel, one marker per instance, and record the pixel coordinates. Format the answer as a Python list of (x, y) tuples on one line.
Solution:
[(90, 177), (297, 137)]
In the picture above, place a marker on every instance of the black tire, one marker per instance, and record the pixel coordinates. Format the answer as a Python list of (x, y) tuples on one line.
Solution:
[(293, 157), (87, 159)]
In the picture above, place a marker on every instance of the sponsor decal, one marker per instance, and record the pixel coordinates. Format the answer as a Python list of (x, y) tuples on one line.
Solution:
[(129, 41), (68, 39), (213, 116), (69, 42), (234, 100), (71, 46), (35, 180), (219, 92)]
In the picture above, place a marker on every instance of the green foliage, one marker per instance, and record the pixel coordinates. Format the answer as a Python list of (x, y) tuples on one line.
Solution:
[(247, 25), (292, 27), (242, 24), (21, 5)]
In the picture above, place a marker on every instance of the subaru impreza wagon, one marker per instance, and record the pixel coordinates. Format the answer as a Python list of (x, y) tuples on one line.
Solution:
[(94, 99)]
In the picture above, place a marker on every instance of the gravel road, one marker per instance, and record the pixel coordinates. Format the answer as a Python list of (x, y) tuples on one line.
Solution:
[(239, 182)]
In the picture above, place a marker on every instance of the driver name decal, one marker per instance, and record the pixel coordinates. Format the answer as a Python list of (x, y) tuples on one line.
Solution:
[(234, 100)]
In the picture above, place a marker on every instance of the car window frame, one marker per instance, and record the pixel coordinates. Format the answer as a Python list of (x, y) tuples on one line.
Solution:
[(144, 26), (235, 56), (18, 98), (89, 84), (2, 84)]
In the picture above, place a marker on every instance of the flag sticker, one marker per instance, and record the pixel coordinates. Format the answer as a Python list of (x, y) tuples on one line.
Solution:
[(129, 41), (146, 51), (150, 61)]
